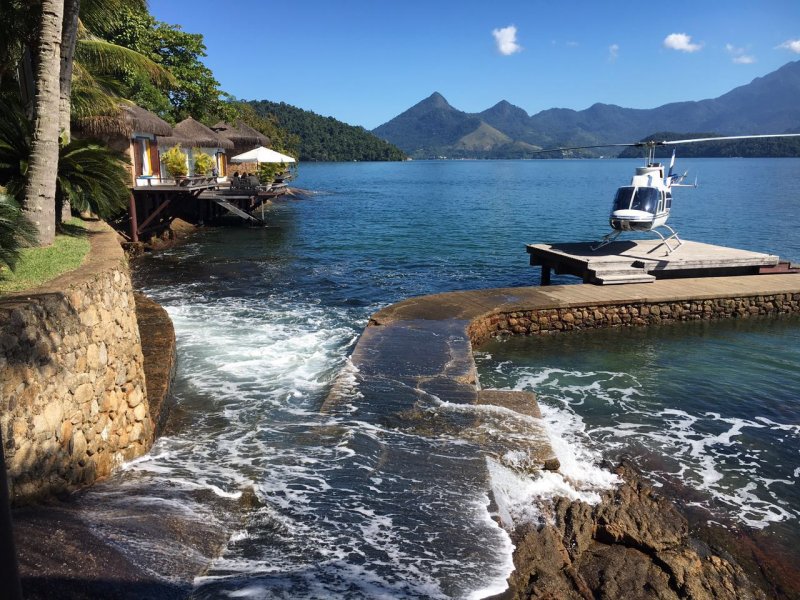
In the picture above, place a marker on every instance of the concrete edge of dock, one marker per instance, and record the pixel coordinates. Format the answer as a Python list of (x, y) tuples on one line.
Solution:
[(426, 343)]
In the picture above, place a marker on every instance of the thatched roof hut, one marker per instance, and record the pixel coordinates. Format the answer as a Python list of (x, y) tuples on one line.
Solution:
[(193, 133), (242, 135), (129, 119)]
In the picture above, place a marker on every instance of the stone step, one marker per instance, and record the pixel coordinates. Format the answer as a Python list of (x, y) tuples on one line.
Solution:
[(616, 270), (632, 277)]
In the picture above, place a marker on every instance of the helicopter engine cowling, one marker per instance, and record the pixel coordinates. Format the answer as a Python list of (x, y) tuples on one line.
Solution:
[(631, 220)]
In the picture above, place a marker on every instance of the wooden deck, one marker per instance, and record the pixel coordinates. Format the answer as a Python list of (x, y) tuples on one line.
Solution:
[(643, 261), (195, 200)]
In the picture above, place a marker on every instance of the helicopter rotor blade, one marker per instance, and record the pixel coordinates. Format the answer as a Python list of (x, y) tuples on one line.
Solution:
[(729, 137), (651, 143), (584, 147)]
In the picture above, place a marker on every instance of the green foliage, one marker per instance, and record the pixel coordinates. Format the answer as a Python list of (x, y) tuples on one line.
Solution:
[(15, 140), (325, 138), (174, 160), (280, 139), (92, 177), (15, 231), (39, 265), (268, 171), (19, 21), (203, 163), (194, 92)]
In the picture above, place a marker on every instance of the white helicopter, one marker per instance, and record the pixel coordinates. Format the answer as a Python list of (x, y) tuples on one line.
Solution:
[(645, 204)]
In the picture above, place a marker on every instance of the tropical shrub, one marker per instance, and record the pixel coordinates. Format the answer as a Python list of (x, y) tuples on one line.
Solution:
[(268, 171), (174, 160), (92, 177), (203, 163), (15, 231), (15, 140)]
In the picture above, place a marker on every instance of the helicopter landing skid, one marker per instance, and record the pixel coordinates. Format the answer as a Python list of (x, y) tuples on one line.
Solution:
[(673, 235), (607, 239)]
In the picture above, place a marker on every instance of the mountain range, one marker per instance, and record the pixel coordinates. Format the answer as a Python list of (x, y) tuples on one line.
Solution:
[(434, 128)]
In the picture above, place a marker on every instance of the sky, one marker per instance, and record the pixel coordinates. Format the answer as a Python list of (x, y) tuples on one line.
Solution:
[(366, 61)]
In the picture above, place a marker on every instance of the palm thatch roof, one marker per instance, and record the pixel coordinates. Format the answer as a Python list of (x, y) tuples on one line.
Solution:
[(193, 133), (242, 135), (129, 119)]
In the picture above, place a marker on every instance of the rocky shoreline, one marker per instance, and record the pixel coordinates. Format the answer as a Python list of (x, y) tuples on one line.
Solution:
[(633, 544)]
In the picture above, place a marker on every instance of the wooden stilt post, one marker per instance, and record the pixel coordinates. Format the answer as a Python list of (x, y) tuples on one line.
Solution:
[(134, 224), (545, 275)]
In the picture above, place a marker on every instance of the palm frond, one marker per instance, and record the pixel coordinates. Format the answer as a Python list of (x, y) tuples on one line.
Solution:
[(15, 230), (101, 57), (100, 15), (15, 140), (92, 177)]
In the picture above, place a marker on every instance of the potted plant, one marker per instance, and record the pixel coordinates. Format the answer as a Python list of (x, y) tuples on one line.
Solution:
[(174, 160), (203, 163)]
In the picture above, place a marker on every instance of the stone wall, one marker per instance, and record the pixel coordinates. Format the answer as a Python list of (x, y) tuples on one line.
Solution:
[(73, 402), (552, 320)]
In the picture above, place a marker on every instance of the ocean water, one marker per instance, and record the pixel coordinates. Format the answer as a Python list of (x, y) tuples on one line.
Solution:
[(273, 498)]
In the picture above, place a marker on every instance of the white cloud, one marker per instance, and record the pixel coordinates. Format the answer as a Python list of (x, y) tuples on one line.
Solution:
[(738, 55), (682, 42), (793, 45), (613, 52), (506, 40)]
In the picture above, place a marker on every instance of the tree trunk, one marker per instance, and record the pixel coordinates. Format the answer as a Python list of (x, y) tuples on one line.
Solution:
[(40, 187), (69, 39)]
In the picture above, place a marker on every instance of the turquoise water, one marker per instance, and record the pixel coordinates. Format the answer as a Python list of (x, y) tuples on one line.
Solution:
[(310, 505)]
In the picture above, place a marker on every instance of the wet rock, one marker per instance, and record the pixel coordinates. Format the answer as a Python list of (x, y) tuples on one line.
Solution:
[(633, 544)]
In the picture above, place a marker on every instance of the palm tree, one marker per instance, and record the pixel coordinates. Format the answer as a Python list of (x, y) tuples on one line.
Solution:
[(40, 188)]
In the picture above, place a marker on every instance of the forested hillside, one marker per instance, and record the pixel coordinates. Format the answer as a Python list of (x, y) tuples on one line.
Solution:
[(325, 138)]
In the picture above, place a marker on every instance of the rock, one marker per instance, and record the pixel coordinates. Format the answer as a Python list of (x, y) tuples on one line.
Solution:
[(633, 544)]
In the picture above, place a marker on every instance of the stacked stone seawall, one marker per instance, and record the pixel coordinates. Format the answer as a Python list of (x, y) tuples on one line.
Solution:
[(629, 314), (73, 400)]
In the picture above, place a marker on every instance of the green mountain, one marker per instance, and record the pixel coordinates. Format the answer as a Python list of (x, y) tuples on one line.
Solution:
[(429, 127), (433, 127), (325, 138)]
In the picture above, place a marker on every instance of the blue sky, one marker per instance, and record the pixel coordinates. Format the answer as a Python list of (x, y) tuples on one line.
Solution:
[(366, 61)]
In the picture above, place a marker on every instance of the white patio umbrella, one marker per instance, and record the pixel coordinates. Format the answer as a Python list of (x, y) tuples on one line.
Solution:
[(262, 155)]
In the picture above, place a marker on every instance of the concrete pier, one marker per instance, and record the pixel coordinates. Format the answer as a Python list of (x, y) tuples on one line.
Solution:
[(643, 261), (424, 345)]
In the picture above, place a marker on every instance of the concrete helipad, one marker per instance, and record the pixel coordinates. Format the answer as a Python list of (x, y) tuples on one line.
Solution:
[(642, 261)]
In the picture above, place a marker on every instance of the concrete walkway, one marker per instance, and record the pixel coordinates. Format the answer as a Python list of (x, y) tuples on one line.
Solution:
[(424, 345)]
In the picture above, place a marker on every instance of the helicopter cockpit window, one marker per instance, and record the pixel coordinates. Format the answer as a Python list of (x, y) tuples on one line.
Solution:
[(629, 197)]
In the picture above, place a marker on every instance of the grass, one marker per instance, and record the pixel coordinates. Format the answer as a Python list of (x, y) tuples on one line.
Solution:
[(39, 265)]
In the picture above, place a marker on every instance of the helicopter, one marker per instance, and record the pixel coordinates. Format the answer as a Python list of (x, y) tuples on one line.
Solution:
[(645, 203)]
